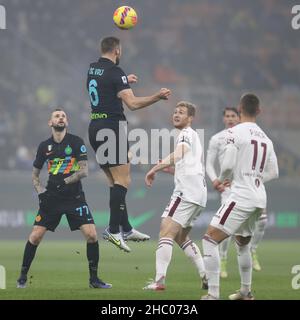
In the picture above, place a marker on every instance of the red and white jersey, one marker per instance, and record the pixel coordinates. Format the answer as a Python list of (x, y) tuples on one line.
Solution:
[(255, 162), (189, 173)]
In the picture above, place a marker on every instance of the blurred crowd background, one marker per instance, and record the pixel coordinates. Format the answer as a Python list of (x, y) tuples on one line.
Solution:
[(208, 52)]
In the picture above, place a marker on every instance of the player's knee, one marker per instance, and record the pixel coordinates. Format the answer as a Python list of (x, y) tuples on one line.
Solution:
[(127, 181), (35, 238), (242, 242), (91, 237), (262, 224)]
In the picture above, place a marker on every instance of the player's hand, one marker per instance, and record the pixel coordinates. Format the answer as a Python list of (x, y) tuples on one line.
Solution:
[(227, 183), (132, 78), (164, 93), (217, 184), (150, 176)]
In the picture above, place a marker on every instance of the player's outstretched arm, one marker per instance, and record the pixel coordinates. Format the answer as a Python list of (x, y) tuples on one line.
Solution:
[(167, 162), (80, 174), (36, 181), (135, 103)]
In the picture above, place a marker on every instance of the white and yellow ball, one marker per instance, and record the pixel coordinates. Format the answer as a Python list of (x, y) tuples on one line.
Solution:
[(125, 17)]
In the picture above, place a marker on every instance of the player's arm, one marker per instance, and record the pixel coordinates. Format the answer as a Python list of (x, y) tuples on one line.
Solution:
[(271, 169), (212, 153), (80, 174), (228, 163), (36, 181), (135, 103), (38, 163), (169, 161)]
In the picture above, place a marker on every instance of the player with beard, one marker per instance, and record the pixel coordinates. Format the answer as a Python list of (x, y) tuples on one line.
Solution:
[(66, 158), (108, 88), (188, 199)]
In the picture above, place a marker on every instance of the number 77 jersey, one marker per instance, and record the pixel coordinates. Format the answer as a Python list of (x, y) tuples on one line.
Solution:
[(256, 163)]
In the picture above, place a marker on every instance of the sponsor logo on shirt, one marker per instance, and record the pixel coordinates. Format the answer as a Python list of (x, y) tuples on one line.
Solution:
[(68, 150)]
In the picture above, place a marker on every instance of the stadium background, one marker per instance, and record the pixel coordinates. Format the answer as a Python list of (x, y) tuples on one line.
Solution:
[(208, 53)]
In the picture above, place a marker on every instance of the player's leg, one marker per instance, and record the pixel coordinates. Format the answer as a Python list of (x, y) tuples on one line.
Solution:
[(92, 253), (259, 231), (224, 245), (243, 238), (223, 248), (168, 231), (224, 223), (121, 177), (245, 268), (210, 242), (193, 252), (34, 240)]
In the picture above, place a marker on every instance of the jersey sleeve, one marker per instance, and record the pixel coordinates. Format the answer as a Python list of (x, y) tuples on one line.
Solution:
[(120, 79), (185, 137), (212, 153), (80, 150), (40, 157)]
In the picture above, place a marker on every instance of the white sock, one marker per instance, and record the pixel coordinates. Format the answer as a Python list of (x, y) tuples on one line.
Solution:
[(258, 233), (193, 252), (163, 258), (223, 248), (212, 265), (245, 267)]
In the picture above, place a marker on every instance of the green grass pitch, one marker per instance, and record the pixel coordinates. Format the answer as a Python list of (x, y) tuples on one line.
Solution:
[(59, 271)]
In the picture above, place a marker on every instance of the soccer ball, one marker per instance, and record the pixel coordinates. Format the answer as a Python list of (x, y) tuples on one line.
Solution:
[(125, 17)]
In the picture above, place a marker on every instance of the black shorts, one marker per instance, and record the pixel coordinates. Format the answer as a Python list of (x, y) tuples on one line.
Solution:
[(53, 208), (112, 148)]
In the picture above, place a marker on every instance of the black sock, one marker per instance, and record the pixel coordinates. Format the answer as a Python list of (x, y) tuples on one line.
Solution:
[(125, 224), (117, 207), (28, 256), (92, 253)]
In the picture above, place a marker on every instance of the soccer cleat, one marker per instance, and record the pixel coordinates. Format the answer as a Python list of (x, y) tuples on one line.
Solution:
[(99, 284), (239, 296), (255, 264), (223, 273), (116, 239), (156, 285), (21, 282), (209, 297), (134, 235), (204, 283)]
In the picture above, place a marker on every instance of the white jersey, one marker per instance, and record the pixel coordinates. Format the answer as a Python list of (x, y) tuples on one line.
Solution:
[(255, 161), (216, 150), (189, 174)]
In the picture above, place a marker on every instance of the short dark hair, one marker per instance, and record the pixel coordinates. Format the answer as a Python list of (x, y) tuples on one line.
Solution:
[(191, 109), (233, 109), (58, 109), (108, 44), (249, 103)]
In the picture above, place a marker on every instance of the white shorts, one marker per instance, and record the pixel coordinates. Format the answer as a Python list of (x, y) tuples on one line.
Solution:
[(182, 212), (225, 195), (236, 220)]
